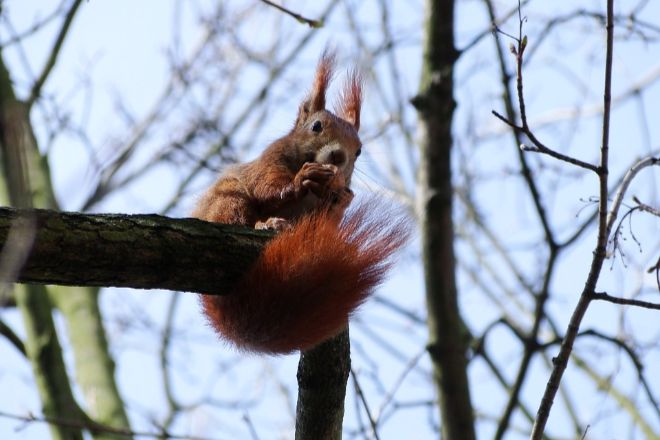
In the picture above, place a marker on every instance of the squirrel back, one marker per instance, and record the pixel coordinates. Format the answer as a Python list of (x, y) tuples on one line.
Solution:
[(323, 264)]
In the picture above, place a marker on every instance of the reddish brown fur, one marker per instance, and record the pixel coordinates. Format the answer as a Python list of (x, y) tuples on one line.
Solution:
[(316, 99), (308, 281), (311, 277), (351, 99)]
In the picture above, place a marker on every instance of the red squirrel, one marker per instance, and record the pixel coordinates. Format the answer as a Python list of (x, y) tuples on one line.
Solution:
[(322, 264)]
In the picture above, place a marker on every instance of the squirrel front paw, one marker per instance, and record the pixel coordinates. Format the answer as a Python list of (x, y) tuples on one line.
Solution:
[(316, 177), (274, 224)]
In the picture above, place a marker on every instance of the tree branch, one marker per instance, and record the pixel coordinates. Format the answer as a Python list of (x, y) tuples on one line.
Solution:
[(12, 337), (138, 251), (627, 179), (647, 208), (54, 53), (603, 296), (96, 428), (604, 224), (308, 21)]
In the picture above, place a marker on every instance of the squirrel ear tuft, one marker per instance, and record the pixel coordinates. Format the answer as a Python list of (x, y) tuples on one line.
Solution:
[(350, 101), (315, 100)]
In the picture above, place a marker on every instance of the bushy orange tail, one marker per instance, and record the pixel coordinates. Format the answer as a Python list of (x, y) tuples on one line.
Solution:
[(309, 280)]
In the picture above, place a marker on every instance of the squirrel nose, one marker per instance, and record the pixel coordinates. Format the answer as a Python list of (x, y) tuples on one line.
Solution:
[(338, 157)]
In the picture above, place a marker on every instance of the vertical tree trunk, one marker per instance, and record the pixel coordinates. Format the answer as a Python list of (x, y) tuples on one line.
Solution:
[(29, 185), (42, 345), (322, 376), (447, 335)]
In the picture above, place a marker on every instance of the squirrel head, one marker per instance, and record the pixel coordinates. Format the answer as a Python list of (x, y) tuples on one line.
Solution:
[(325, 137)]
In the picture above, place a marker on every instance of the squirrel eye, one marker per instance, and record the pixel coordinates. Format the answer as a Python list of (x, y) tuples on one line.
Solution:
[(358, 152), (317, 127)]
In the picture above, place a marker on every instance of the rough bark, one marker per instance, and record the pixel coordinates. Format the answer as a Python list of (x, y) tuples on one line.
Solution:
[(322, 375), (447, 334), (138, 251)]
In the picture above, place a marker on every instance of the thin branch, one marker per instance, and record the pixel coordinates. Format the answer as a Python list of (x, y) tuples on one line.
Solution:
[(54, 53), (389, 397), (623, 401), (480, 350), (258, 98), (585, 224), (358, 391), (34, 28), (530, 345), (594, 109), (539, 147), (308, 21), (173, 406), (647, 208), (627, 179), (561, 360), (94, 427), (508, 104), (639, 366), (396, 308), (250, 425), (15, 340), (603, 296)]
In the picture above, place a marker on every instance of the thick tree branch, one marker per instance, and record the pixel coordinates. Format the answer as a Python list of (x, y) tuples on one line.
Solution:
[(138, 251)]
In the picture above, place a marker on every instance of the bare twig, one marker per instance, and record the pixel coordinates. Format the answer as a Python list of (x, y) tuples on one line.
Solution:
[(510, 112), (250, 425), (624, 301), (173, 406), (390, 394), (518, 50), (656, 268), (561, 361), (647, 208), (627, 179), (34, 28), (358, 391), (539, 147), (54, 53), (530, 345), (308, 21), (97, 427), (15, 340)]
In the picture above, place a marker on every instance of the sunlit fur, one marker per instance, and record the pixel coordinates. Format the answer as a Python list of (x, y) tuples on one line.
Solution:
[(350, 100), (309, 280), (311, 277)]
